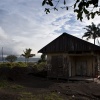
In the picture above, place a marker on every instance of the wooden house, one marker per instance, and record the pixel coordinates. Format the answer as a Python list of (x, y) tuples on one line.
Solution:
[(69, 56)]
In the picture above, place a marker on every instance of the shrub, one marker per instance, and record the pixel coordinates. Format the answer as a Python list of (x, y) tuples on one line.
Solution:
[(21, 64), (14, 64), (40, 70), (5, 64), (41, 66), (4, 71), (17, 73), (31, 64)]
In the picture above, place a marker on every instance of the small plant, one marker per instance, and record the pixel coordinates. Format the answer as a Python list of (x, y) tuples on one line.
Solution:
[(4, 84), (41, 66), (20, 64), (27, 96), (30, 96), (42, 59), (52, 96), (16, 87)]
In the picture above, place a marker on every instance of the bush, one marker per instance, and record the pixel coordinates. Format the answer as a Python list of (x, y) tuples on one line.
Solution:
[(39, 70), (5, 65), (15, 70), (41, 66), (31, 64), (4, 71), (14, 64), (20, 64), (17, 73)]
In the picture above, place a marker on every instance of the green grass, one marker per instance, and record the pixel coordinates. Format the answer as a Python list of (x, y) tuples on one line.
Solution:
[(26, 96), (4, 83), (30, 96), (17, 87), (52, 96), (14, 64), (23, 93)]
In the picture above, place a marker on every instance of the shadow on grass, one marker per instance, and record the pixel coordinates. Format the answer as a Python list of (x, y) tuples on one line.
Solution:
[(25, 76)]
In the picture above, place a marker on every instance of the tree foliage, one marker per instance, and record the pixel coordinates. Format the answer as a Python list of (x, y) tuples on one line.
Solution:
[(11, 58), (42, 59), (92, 31), (27, 54), (80, 7)]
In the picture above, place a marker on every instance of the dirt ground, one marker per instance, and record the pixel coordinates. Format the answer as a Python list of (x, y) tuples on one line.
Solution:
[(29, 86)]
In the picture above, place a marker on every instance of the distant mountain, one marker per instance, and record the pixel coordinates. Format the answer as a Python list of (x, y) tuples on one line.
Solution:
[(22, 59)]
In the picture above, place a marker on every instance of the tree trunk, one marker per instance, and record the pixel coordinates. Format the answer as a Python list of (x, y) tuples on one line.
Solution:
[(94, 36), (27, 61)]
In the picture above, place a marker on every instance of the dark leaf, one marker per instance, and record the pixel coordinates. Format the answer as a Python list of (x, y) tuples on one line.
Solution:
[(74, 5), (86, 11), (77, 1), (87, 5), (64, 2), (50, 2), (47, 3), (43, 3), (97, 12), (79, 16), (81, 19), (92, 15), (66, 8), (55, 9), (81, 6), (47, 10), (95, 3), (76, 10), (88, 16), (90, 2)]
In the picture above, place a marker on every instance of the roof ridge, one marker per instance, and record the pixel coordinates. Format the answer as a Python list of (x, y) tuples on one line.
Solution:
[(67, 42)]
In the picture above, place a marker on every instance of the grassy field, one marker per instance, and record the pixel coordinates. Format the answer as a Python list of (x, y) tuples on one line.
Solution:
[(20, 91)]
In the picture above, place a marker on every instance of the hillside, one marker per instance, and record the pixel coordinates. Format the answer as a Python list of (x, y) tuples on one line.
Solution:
[(22, 59)]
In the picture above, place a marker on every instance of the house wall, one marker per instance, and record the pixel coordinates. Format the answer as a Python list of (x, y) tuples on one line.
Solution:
[(72, 63), (61, 69)]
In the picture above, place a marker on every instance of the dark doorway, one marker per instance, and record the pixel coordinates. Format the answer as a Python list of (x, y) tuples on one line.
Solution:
[(81, 68)]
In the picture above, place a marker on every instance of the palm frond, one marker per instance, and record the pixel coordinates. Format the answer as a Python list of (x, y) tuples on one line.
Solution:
[(23, 55), (88, 37), (86, 34)]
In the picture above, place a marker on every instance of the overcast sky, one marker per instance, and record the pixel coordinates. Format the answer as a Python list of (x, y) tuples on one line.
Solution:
[(24, 24)]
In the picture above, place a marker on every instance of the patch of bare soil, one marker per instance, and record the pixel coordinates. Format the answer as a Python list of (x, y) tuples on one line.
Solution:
[(77, 90)]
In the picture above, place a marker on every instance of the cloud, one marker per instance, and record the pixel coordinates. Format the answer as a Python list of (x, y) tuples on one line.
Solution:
[(7, 43), (24, 24)]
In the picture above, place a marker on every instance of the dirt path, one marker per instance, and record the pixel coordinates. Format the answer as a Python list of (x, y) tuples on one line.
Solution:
[(77, 90)]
